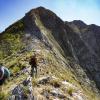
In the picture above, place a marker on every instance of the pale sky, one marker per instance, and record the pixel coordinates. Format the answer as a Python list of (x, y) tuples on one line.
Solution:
[(68, 10)]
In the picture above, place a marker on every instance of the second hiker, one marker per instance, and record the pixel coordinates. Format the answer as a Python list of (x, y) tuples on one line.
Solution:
[(4, 75)]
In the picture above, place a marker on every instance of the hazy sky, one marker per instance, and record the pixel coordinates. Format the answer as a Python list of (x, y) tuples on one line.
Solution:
[(68, 10)]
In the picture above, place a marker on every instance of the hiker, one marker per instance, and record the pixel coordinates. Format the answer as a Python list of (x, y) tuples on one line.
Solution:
[(4, 74), (33, 63)]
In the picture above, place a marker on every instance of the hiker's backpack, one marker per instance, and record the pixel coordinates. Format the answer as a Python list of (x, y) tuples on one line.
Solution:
[(33, 61), (5, 73)]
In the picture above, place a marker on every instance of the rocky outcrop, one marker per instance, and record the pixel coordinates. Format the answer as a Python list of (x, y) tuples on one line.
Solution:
[(23, 91)]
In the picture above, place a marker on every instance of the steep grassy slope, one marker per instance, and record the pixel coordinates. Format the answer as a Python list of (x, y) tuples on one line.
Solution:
[(11, 40)]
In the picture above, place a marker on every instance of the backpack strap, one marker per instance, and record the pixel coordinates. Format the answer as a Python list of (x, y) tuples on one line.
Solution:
[(2, 69)]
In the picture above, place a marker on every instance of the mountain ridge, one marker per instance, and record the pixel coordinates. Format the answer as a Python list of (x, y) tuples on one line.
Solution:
[(67, 43)]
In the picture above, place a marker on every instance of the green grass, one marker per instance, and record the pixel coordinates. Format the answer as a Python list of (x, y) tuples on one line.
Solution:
[(16, 27), (11, 39), (4, 96)]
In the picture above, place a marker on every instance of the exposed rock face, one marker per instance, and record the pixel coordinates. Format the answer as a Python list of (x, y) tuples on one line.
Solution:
[(86, 47), (23, 91)]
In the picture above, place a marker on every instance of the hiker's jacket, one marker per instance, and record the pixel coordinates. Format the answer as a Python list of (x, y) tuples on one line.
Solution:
[(4, 73)]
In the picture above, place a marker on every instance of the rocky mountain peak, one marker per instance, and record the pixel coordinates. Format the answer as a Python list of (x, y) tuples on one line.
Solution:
[(48, 18), (41, 10)]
